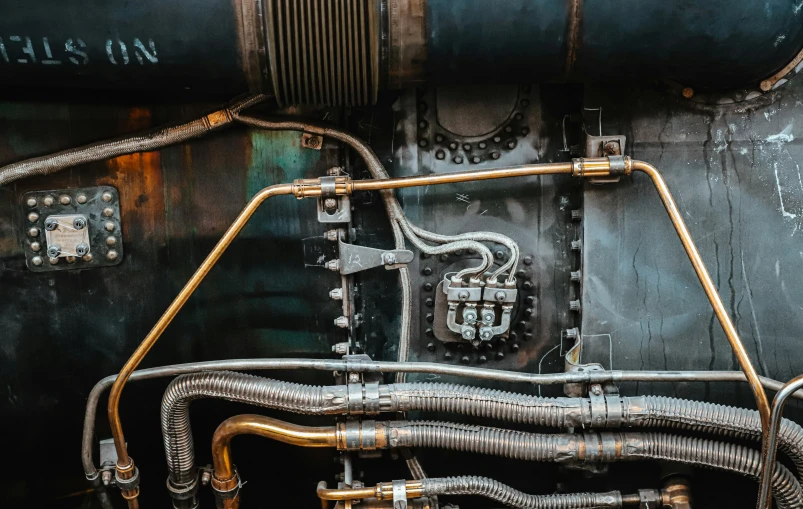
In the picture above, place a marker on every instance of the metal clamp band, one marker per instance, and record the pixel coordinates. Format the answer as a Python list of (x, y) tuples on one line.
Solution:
[(618, 165), (399, 494), (328, 187), (182, 492), (127, 484), (599, 410)]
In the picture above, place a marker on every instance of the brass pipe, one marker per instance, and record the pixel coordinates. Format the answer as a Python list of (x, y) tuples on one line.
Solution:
[(710, 290), (125, 466), (304, 436), (382, 491)]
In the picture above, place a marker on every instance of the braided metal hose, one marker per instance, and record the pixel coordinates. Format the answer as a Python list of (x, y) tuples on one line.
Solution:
[(511, 497), (594, 447), (657, 411), (238, 387)]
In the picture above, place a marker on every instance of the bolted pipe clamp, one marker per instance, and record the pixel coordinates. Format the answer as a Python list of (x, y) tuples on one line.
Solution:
[(130, 484), (182, 492)]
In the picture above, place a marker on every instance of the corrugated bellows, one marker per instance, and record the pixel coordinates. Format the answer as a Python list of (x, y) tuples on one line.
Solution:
[(324, 52)]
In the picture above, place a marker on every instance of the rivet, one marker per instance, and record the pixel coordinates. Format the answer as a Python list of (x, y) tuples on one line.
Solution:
[(525, 131), (431, 347), (525, 102), (458, 160), (499, 255), (111, 255), (109, 226), (528, 312), (107, 197), (500, 356), (467, 146), (439, 138), (53, 261), (528, 260), (577, 215), (508, 129), (440, 154), (37, 261), (458, 252), (426, 271), (33, 217), (528, 285), (423, 124), (428, 287), (70, 259), (497, 139), (530, 300), (31, 203), (453, 146), (111, 241), (514, 347), (511, 144), (521, 273), (496, 155), (482, 144), (48, 201), (513, 336), (518, 116), (482, 359), (88, 257), (35, 247), (430, 317), (444, 257), (430, 333), (33, 232), (464, 359), (64, 199), (429, 302), (447, 355), (81, 198), (528, 336), (688, 92), (108, 212), (475, 159), (422, 143)]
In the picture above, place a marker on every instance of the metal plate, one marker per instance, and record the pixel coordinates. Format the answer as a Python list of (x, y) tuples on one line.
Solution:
[(99, 206)]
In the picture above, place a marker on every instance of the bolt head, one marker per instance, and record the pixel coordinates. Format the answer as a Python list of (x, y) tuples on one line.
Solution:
[(486, 335), (205, 478), (51, 224), (53, 251), (79, 223), (106, 196), (81, 249), (334, 171), (35, 246), (431, 347), (108, 212), (488, 317), (354, 378), (342, 322), (65, 199), (81, 198), (109, 226), (330, 204), (31, 202), (333, 265), (463, 295), (336, 294), (33, 217), (48, 201), (596, 390), (465, 359), (37, 261), (500, 296), (389, 258), (112, 255), (106, 477)]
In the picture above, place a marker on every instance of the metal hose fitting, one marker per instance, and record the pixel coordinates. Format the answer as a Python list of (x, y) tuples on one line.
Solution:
[(511, 497)]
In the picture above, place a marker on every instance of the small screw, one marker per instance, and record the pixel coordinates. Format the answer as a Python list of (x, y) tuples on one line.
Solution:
[(330, 205), (462, 296), (426, 271), (51, 224), (205, 478), (108, 212), (336, 294), (354, 378), (31, 202), (81, 249), (48, 201), (79, 223), (528, 260), (53, 251), (342, 322), (33, 232), (431, 347), (88, 257), (33, 217), (389, 258), (37, 261), (81, 198), (499, 255), (107, 197), (35, 246), (440, 154), (64, 199), (574, 305), (333, 265), (111, 255), (109, 226), (576, 276), (458, 160)]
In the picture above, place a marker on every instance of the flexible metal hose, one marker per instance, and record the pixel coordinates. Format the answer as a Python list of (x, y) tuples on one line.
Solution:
[(594, 447), (511, 497), (142, 142), (176, 430)]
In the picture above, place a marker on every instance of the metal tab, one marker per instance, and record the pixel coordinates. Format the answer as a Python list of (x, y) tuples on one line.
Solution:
[(341, 215), (355, 259), (399, 494)]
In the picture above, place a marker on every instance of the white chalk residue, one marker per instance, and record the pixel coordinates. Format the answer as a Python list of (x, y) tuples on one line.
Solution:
[(780, 196), (784, 136)]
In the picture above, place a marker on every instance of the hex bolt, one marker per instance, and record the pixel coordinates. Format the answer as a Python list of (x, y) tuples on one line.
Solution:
[(469, 315), (574, 305), (340, 348), (64, 199), (431, 346), (109, 226), (354, 378), (528, 260), (596, 389), (37, 261), (106, 477), (612, 148), (336, 294), (486, 334), (111, 255), (468, 332), (333, 265), (576, 276), (330, 235), (464, 359), (53, 251), (35, 246), (51, 224), (88, 257), (528, 336), (342, 322), (33, 217), (430, 302), (79, 223), (577, 245), (48, 201), (330, 205), (31, 202), (205, 478), (577, 215), (81, 198), (81, 249), (108, 212), (428, 287), (106, 196), (572, 333), (500, 296), (389, 258), (488, 316)]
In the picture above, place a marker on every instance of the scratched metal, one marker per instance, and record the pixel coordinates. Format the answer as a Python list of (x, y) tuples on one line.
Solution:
[(735, 173)]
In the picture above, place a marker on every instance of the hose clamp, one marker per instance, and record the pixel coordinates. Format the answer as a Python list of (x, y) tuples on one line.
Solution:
[(182, 491), (130, 484), (328, 187), (228, 489), (399, 494), (363, 399)]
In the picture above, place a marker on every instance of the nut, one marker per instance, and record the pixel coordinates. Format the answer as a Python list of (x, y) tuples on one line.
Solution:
[(354, 378), (79, 223), (336, 294), (106, 477), (53, 251), (342, 322), (330, 205), (333, 265), (205, 478), (331, 235), (51, 224)]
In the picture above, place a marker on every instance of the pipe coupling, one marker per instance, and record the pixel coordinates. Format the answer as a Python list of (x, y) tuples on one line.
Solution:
[(227, 491), (364, 399), (360, 435), (595, 167)]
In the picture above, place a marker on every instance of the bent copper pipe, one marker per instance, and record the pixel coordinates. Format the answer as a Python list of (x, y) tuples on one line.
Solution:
[(770, 444), (382, 491), (597, 167)]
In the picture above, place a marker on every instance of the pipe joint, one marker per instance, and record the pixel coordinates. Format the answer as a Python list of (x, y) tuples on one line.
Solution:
[(595, 167), (313, 188), (227, 491), (364, 399), (360, 435)]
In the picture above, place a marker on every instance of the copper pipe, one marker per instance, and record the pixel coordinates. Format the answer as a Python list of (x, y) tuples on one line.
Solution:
[(710, 290), (382, 491), (304, 436), (124, 462)]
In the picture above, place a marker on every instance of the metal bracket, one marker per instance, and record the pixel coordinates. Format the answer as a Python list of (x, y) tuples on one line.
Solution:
[(399, 494), (605, 146), (355, 259)]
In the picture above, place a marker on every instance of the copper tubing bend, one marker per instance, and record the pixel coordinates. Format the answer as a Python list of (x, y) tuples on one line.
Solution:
[(588, 168)]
